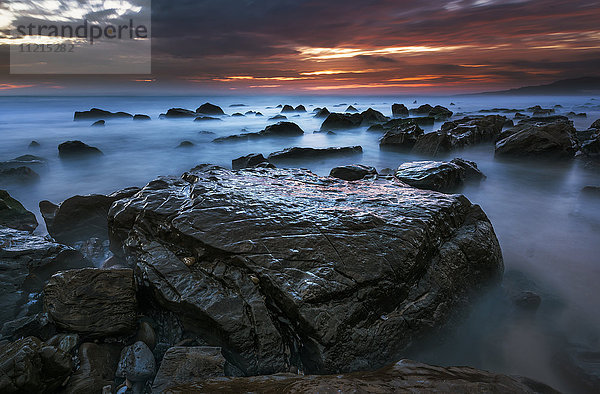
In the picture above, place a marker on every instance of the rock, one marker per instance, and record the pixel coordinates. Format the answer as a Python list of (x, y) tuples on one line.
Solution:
[(527, 300), (146, 334), (322, 113), (376, 128), (37, 324), (577, 115), (300, 108), (19, 175), (371, 116), (404, 376), (402, 137), (591, 147), (440, 113), (237, 115), (14, 215), (80, 218), (77, 149), (519, 115), (65, 342), (93, 302), (175, 113), (459, 134), (99, 123), (595, 125), (184, 365), (96, 114), (591, 191), (185, 144), (287, 109), (294, 269), (97, 366), (137, 363), (23, 161), (278, 117), (437, 175), (26, 262), (581, 365), (259, 114), (302, 153), (424, 109), (205, 119), (280, 129), (137, 117), (400, 110), (248, 161), (353, 172), (34, 144), (351, 109), (210, 109), (337, 121), (540, 140), (30, 366)]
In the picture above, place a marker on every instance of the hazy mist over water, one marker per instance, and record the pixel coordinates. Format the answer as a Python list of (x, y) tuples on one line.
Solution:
[(547, 230)]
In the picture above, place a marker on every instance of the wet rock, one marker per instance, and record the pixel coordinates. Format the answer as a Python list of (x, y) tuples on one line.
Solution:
[(185, 144), (376, 128), (34, 144), (77, 149), (205, 119), (539, 140), (259, 114), (93, 302), (64, 342), (519, 115), (440, 113), (300, 108), (351, 109), (353, 172), (400, 110), (595, 125), (591, 146), (24, 161), (577, 115), (278, 117), (403, 377), (337, 121), (95, 250), (30, 366), (424, 120), (138, 117), (402, 137), (27, 261), (322, 113), (287, 109), (248, 161), (137, 363), (97, 114), (538, 108), (424, 109), (438, 175), (581, 365), (371, 116), (19, 175), (302, 153), (38, 325), (175, 113), (146, 334), (185, 365), (99, 123), (280, 129), (210, 109), (238, 115), (14, 215), (97, 366), (278, 275), (80, 218)]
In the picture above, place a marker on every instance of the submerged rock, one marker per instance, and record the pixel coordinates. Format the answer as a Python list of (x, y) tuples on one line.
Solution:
[(302, 153), (205, 118), (402, 377), (95, 302), (438, 175), (282, 267), (539, 140), (353, 172), (97, 114), (210, 109), (14, 215), (185, 144), (77, 149), (99, 123)]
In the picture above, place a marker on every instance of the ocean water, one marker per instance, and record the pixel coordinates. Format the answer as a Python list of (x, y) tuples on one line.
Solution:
[(549, 233)]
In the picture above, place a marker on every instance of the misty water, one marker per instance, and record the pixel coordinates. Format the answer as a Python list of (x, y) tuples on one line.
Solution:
[(549, 232)]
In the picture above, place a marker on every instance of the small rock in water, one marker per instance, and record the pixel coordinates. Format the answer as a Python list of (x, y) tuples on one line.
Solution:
[(34, 144), (141, 117), (278, 117), (77, 149), (99, 123), (210, 109), (185, 144)]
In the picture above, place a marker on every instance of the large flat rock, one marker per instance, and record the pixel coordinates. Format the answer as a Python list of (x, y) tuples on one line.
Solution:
[(284, 268)]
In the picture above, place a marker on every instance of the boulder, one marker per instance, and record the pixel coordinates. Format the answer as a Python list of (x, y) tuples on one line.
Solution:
[(77, 149), (137, 363), (303, 153), (287, 109), (14, 215), (371, 116), (351, 109), (403, 136), (185, 144), (440, 113), (438, 175), (280, 129), (26, 262), (80, 218), (97, 114), (137, 117), (282, 267), (595, 125), (30, 366), (99, 123), (424, 109), (248, 161), (93, 302), (337, 121), (591, 146), (185, 365), (238, 115), (322, 113), (404, 376), (353, 172), (210, 109), (300, 108), (278, 117), (175, 113), (554, 140), (97, 366), (400, 110)]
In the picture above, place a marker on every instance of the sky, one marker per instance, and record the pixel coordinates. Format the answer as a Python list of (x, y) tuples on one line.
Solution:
[(340, 47)]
